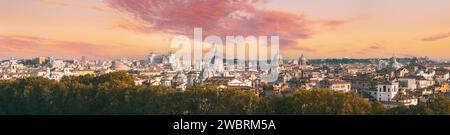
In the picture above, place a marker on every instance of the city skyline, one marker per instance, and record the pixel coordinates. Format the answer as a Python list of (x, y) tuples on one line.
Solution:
[(113, 29)]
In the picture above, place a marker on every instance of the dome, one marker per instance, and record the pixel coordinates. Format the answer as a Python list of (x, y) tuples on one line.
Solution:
[(302, 60), (394, 64), (119, 66)]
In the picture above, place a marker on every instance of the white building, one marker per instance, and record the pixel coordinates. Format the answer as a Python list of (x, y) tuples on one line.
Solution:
[(170, 58), (336, 85), (387, 90), (391, 96), (427, 75), (56, 75), (442, 75), (401, 98), (423, 83), (238, 83), (59, 64)]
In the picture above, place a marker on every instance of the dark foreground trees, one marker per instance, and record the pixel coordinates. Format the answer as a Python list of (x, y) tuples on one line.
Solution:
[(313, 102), (116, 93), (438, 106)]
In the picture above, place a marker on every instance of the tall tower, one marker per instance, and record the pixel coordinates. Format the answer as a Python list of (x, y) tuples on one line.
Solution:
[(13, 66)]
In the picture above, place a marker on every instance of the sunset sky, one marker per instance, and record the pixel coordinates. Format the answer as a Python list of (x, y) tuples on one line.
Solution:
[(111, 29)]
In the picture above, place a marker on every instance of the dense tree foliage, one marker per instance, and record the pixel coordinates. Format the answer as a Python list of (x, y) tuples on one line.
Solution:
[(115, 93), (316, 102), (438, 106)]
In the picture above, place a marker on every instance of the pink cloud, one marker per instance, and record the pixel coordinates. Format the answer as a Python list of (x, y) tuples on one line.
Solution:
[(84, 5), (28, 46), (291, 45), (133, 25), (299, 48), (436, 37), (332, 23), (216, 17), (375, 47)]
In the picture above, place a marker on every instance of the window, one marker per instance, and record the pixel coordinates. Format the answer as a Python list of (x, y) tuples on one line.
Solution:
[(384, 88), (389, 89)]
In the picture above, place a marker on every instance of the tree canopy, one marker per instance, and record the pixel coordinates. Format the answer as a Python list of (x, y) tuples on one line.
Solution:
[(115, 93)]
